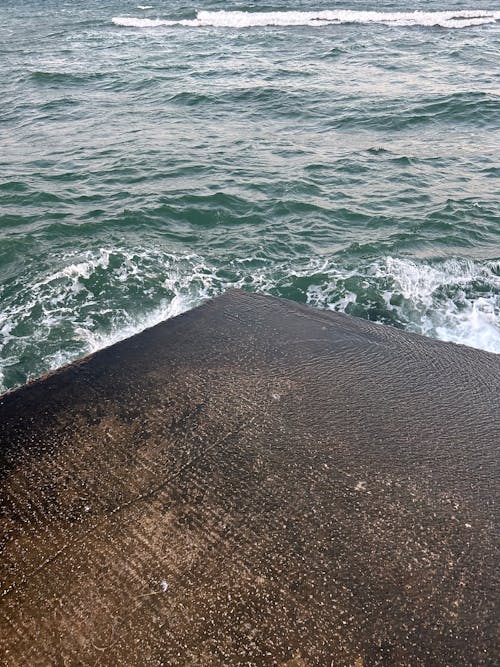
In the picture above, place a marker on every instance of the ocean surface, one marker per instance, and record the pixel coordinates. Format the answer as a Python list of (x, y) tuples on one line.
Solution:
[(344, 154)]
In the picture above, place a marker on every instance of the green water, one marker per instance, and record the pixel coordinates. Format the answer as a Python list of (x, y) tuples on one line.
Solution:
[(350, 163)]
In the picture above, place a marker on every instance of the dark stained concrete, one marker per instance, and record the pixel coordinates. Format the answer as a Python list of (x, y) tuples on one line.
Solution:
[(253, 483)]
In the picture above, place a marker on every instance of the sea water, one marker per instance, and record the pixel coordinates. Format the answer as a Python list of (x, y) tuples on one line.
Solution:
[(343, 154)]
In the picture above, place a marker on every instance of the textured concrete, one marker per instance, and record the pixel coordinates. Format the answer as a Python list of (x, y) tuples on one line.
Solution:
[(253, 483)]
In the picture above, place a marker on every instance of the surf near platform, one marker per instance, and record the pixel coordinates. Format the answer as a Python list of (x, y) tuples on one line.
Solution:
[(253, 482)]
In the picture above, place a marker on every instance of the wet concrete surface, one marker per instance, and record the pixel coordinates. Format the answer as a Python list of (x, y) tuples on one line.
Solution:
[(254, 483)]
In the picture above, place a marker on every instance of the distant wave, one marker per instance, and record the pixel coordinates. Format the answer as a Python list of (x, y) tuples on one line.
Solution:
[(460, 107), (238, 19)]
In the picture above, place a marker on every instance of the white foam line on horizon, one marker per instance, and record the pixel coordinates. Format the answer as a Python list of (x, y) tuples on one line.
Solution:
[(238, 19)]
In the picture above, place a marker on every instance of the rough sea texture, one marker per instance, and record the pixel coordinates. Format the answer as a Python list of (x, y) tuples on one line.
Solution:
[(343, 154)]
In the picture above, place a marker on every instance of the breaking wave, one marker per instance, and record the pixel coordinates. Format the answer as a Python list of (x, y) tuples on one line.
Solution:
[(103, 296), (240, 19)]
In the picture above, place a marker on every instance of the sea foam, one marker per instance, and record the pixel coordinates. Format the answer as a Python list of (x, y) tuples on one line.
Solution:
[(455, 300), (239, 19), (102, 296)]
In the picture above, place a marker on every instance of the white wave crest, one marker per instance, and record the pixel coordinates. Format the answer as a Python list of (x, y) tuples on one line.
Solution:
[(239, 19)]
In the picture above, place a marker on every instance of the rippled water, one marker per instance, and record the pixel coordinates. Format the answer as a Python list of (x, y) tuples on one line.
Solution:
[(344, 154)]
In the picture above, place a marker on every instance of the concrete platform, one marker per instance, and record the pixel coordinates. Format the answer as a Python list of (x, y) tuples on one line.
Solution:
[(253, 483)]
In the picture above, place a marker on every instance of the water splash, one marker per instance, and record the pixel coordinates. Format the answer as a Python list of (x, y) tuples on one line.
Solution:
[(102, 296)]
